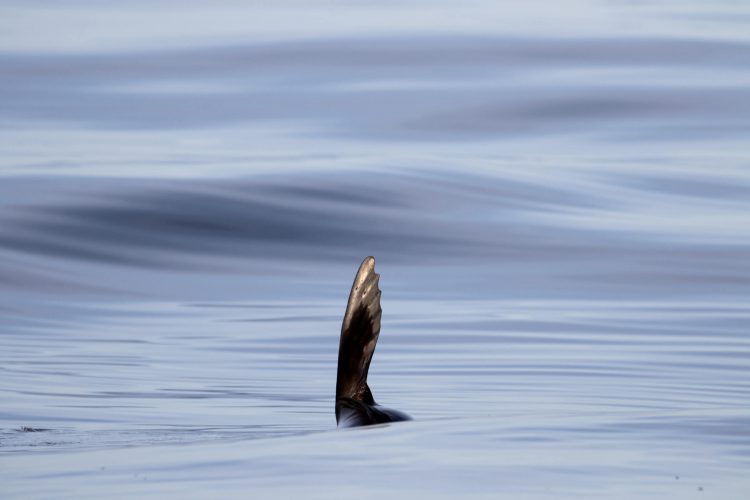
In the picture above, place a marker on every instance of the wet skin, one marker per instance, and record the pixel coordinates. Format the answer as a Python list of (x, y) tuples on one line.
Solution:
[(355, 405)]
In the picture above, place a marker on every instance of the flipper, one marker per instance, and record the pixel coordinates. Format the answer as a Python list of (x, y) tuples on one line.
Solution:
[(355, 404)]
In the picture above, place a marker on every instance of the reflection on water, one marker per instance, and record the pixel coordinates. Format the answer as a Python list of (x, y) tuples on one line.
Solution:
[(621, 392), (558, 210)]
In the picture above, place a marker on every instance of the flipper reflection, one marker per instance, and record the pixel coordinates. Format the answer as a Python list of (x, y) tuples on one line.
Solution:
[(355, 405)]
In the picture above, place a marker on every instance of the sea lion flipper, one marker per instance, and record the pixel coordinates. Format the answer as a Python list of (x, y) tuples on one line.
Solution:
[(355, 405), (359, 334)]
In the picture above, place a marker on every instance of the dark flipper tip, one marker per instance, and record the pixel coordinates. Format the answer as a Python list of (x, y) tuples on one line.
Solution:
[(359, 333), (355, 405)]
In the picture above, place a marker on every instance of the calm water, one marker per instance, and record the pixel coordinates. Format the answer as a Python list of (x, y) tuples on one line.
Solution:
[(558, 197)]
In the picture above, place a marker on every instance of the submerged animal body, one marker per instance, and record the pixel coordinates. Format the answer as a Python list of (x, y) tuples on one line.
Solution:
[(355, 405)]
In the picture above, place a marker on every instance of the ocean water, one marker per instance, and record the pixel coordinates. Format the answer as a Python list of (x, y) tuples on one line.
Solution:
[(557, 196)]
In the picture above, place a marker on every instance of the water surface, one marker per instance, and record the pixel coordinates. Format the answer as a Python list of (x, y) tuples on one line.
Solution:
[(557, 199)]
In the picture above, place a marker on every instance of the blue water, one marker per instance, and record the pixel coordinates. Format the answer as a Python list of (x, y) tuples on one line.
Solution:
[(557, 196)]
